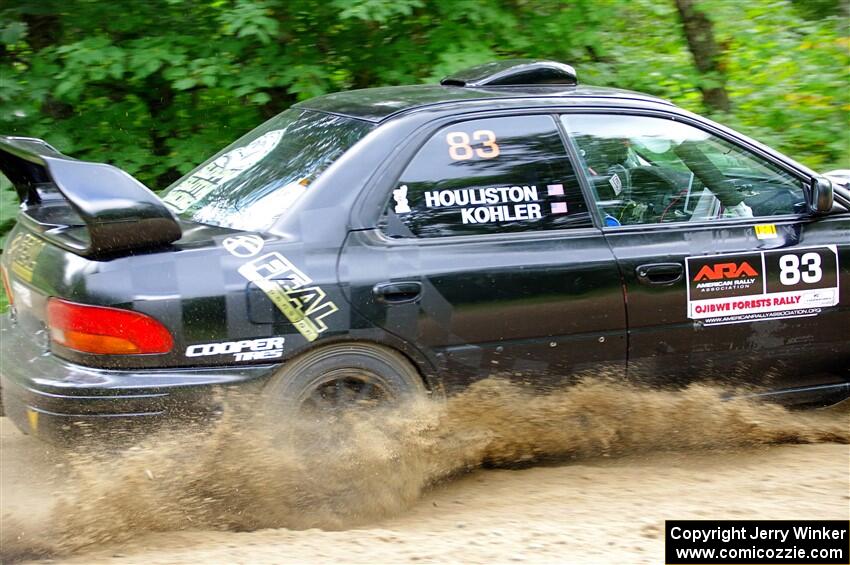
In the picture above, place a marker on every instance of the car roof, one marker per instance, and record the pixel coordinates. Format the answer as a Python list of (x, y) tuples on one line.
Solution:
[(380, 104)]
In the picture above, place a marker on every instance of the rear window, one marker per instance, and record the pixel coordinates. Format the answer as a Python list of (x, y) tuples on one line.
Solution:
[(252, 182), (488, 176)]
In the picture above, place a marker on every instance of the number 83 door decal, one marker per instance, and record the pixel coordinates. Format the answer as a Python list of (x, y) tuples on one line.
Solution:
[(762, 285), (806, 267)]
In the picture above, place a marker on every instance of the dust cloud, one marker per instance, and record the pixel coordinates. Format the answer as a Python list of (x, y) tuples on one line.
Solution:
[(251, 470)]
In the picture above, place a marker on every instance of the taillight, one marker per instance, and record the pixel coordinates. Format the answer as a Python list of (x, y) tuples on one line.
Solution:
[(97, 329), (6, 286)]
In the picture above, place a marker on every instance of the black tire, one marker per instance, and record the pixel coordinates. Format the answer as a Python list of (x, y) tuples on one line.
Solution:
[(341, 376)]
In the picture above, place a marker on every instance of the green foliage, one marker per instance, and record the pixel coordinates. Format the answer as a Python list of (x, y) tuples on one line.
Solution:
[(8, 209), (790, 81), (157, 86)]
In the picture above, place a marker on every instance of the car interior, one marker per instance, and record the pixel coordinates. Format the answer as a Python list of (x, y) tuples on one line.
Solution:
[(689, 181)]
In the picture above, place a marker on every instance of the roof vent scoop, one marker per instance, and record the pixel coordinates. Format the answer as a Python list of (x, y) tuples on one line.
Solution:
[(514, 72)]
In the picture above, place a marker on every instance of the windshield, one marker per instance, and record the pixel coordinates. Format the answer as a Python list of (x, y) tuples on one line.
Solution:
[(252, 182)]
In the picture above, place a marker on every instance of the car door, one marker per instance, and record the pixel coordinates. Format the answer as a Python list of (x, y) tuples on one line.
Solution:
[(487, 260), (727, 274)]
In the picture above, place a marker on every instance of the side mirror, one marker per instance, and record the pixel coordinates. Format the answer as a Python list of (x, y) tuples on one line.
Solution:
[(821, 195)]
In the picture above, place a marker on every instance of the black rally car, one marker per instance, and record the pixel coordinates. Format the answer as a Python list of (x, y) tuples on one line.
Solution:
[(375, 244)]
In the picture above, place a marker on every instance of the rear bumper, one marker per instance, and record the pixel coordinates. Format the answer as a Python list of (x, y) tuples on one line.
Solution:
[(50, 397)]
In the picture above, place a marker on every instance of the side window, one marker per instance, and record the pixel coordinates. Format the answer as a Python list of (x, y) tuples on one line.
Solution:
[(647, 170), (486, 176)]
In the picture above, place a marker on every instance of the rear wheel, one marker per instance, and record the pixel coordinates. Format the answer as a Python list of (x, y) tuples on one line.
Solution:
[(344, 376)]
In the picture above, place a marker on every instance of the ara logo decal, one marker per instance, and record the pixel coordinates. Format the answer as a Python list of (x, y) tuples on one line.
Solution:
[(246, 245), (725, 271), (304, 304), (719, 277)]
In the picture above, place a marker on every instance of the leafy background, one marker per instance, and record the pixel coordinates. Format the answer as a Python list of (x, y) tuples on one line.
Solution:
[(155, 86)]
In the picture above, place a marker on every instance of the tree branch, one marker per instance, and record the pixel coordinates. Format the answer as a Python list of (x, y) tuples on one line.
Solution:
[(706, 52)]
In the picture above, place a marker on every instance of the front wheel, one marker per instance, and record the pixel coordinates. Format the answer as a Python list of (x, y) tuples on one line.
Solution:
[(342, 376)]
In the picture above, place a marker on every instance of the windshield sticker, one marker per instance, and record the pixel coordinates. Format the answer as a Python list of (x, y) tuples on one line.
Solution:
[(290, 290), (402, 206), (559, 207), (752, 287), (224, 168), (616, 184), (523, 199), (766, 231), (245, 245), (245, 350)]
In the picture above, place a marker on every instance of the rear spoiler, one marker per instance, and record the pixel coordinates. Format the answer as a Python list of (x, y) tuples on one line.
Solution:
[(110, 211)]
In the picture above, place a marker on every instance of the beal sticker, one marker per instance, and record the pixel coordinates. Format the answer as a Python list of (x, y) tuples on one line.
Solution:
[(220, 170), (304, 304)]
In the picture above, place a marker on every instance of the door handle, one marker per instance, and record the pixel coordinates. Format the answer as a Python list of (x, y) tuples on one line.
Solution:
[(659, 274), (398, 292)]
